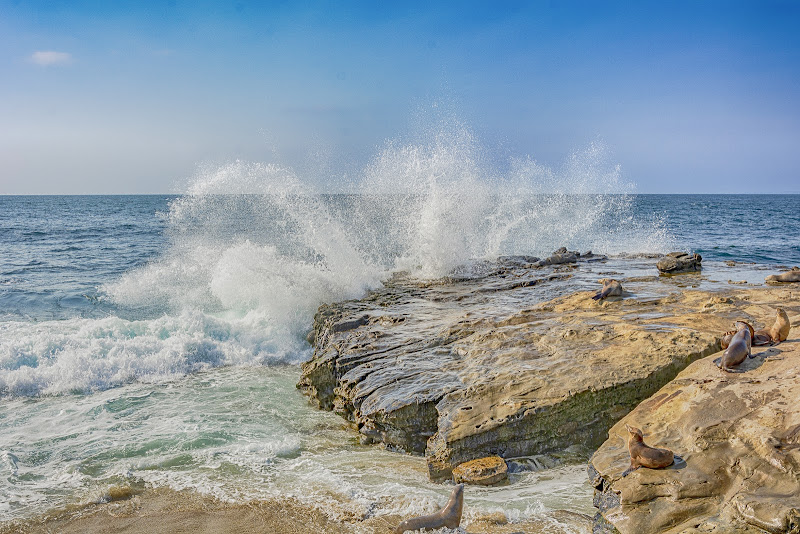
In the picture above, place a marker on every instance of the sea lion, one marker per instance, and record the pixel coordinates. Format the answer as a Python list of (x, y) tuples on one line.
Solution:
[(449, 516), (645, 456), (776, 333), (788, 276), (611, 288), (725, 340), (739, 347)]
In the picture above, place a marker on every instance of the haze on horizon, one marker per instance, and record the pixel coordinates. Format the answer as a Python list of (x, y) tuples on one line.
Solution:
[(132, 97)]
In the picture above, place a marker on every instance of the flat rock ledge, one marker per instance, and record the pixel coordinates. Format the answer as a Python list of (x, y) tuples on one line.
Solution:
[(738, 436), (463, 369)]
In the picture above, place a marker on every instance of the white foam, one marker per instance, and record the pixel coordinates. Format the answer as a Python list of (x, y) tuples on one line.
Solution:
[(84, 355)]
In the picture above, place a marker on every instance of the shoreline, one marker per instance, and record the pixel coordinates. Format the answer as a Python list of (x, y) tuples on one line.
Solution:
[(166, 511)]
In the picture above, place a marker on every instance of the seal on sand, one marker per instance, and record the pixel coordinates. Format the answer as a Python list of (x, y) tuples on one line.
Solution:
[(449, 516), (788, 276), (776, 333), (739, 347), (643, 455), (611, 288)]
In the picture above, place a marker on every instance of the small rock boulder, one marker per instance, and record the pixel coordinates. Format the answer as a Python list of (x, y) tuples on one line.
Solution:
[(483, 471), (679, 262)]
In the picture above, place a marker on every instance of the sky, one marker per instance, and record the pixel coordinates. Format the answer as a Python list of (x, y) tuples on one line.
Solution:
[(134, 97)]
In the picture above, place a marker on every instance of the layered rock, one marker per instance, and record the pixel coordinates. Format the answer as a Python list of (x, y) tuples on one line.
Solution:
[(464, 369), (738, 438)]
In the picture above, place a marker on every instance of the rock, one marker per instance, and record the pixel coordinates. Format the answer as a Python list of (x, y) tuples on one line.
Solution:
[(679, 262), (558, 257), (482, 471), (738, 437), (463, 370)]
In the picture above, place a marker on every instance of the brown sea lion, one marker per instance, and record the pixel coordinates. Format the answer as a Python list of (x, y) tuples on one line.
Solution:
[(725, 340), (788, 276), (776, 333), (611, 288), (449, 516), (739, 347), (643, 455)]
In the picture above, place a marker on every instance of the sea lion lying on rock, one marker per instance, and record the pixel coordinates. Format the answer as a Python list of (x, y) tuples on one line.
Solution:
[(766, 336), (788, 276), (776, 333), (611, 288), (727, 336), (739, 347), (643, 455), (449, 516)]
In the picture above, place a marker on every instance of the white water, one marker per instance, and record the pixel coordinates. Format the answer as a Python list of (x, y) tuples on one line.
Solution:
[(253, 251)]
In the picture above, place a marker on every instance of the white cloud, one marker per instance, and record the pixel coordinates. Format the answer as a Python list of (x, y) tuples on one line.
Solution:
[(49, 57)]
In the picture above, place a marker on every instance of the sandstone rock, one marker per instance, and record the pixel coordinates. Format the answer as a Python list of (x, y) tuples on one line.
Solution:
[(679, 262), (739, 441), (514, 363), (468, 369), (482, 471)]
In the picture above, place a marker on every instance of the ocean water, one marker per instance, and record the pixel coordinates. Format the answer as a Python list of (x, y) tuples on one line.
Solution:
[(157, 339)]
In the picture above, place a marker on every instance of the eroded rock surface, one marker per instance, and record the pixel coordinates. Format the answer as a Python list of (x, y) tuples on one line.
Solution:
[(738, 436), (501, 365)]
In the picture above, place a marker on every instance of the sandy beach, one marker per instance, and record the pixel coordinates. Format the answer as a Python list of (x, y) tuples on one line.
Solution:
[(163, 511)]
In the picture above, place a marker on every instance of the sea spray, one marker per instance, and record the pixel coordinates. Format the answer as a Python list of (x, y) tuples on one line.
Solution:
[(456, 209), (252, 250)]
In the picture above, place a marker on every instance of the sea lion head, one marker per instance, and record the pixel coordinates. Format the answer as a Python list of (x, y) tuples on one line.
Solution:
[(742, 324), (634, 432)]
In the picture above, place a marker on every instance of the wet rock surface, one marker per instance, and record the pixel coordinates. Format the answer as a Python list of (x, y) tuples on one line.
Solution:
[(679, 262), (737, 435), (514, 362)]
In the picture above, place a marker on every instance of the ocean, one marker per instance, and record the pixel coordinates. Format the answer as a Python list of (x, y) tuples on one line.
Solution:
[(156, 340)]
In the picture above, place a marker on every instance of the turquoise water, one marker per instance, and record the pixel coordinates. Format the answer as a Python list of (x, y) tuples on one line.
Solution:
[(157, 339)]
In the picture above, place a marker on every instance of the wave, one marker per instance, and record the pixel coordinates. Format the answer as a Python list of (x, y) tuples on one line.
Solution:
[(253, 250)]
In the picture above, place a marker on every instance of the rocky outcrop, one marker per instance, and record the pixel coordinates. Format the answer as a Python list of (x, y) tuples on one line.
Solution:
[(679, 262), (464, 369), (738, 438)]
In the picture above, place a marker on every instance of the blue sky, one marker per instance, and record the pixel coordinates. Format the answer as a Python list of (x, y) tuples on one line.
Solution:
[(130, 97)]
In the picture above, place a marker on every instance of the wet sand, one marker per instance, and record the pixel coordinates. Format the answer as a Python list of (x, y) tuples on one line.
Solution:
[(162, 511)]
